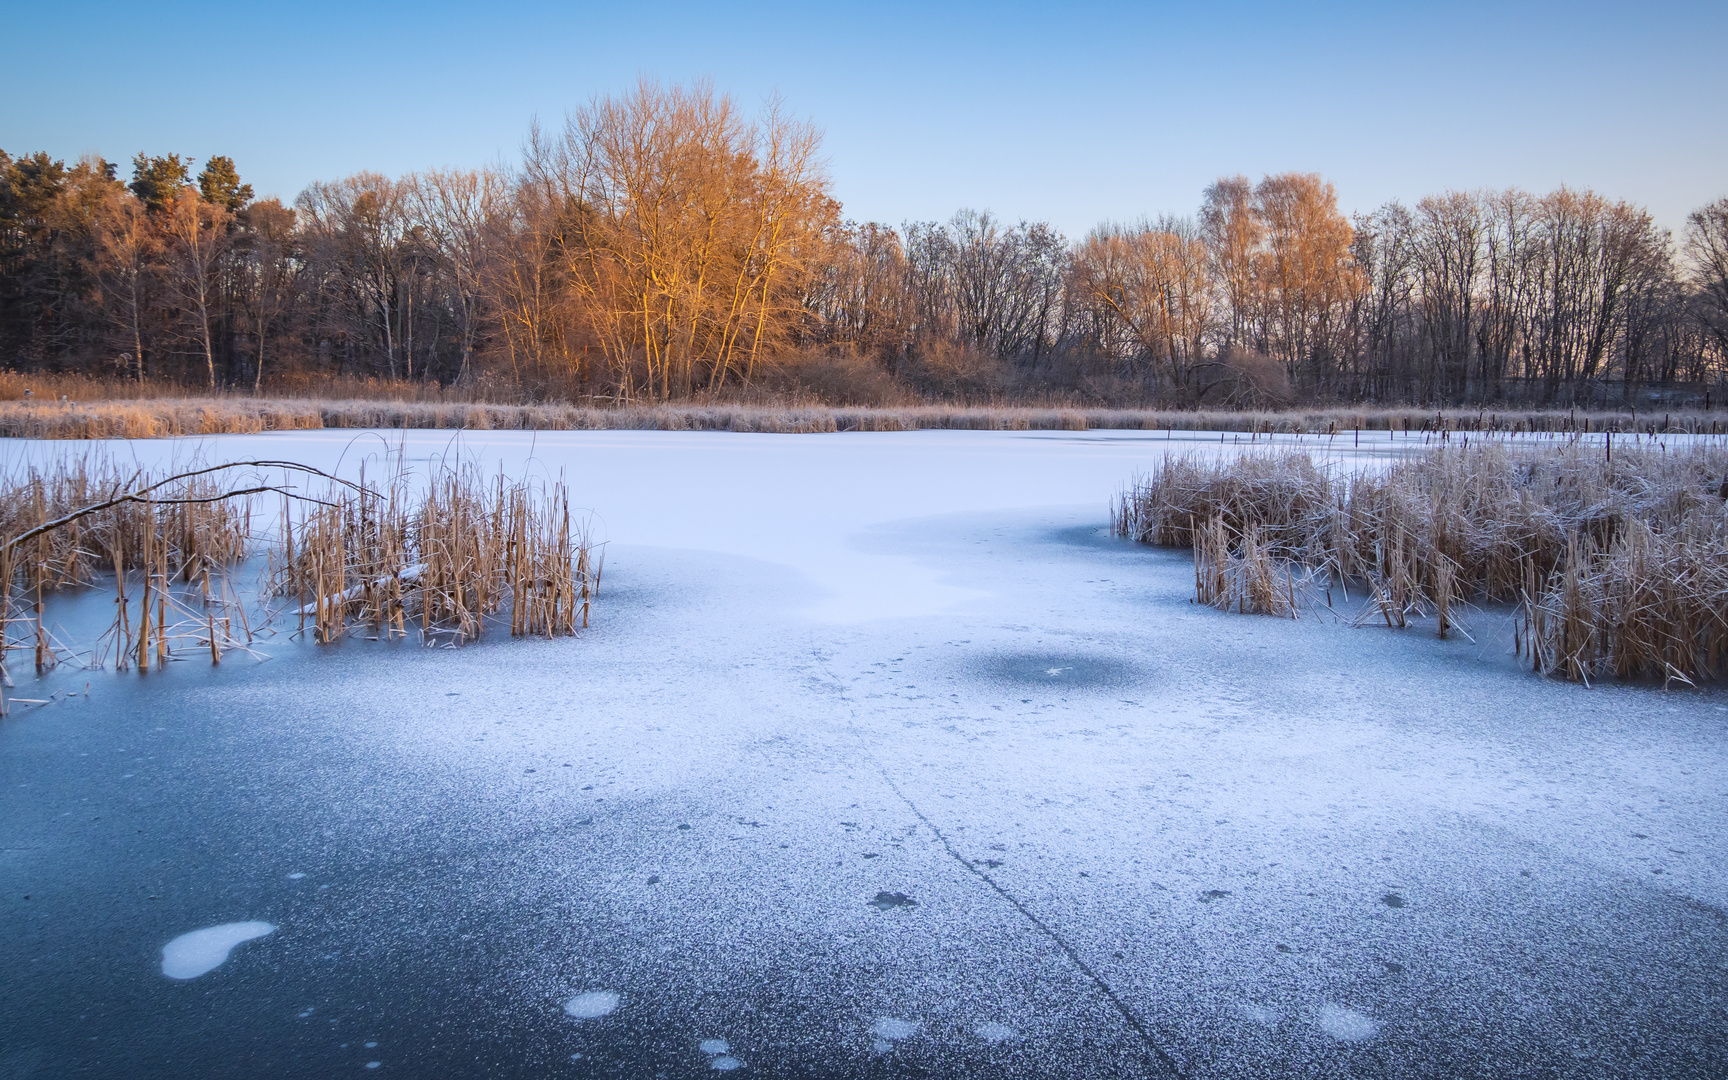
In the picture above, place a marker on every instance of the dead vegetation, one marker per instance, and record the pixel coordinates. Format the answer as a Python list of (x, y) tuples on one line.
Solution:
[(44, 415), (88, 520), (1616, 556), (435, 557)]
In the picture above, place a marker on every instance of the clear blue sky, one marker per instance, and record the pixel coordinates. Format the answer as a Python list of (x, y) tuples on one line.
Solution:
[(1068, 113)]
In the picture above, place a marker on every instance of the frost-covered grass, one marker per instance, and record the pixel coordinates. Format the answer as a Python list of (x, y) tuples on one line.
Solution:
[(166, 417), (1619, 559)]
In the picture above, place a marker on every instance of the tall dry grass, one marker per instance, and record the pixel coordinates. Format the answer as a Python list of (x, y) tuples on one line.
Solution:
[(95, 520), (102, 417), (1618, 559), (439, 556)]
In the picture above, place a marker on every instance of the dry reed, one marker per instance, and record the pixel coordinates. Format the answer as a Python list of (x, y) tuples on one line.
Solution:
[(443, 559), (440, 559), (174, 542), (1618, 559), (105, 417)]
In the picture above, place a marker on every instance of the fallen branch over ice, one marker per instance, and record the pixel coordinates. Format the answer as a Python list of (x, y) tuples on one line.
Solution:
[(408, 575)]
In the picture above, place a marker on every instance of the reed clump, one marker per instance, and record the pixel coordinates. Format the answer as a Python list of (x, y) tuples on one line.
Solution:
[(439, 560), (438, 557), (1617, 558), (189, 525), (169, 543)]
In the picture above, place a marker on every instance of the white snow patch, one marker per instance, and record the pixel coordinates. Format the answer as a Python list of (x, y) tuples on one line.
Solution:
[(992, 1032), (1261, 1015), (886, 1027), (714, 1046), (592, 1004), (1346, 1025), (408, 576), (198, 951)]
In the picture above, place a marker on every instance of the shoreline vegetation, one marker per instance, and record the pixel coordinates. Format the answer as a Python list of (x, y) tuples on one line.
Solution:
[(171, 417), (1615, 556)]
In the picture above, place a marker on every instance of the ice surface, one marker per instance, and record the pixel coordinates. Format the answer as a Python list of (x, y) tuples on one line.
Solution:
[(592, 1004), (1346, 1025), (199, 951), (831, 658), (807, 503)]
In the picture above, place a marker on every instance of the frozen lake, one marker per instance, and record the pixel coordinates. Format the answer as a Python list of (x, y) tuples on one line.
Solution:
[(881, 758)]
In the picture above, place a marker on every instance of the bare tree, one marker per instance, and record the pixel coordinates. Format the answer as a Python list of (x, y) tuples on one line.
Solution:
[(1706, 248), (1382, 312), (1449, 248), (355, 234), (460, 216), (269, 269), (1156, 279), (196, 234), (127, 252), (681, 230), (1304, 272), (1233, 234)]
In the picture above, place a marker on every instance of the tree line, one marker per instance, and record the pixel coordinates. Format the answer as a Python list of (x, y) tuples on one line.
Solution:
[(664, 244)]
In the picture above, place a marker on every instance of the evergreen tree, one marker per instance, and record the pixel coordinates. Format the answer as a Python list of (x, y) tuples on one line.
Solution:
[(220, 184), (156, 180)]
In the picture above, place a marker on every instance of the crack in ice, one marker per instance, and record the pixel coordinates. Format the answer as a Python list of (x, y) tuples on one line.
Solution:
[(1160, 1056)]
